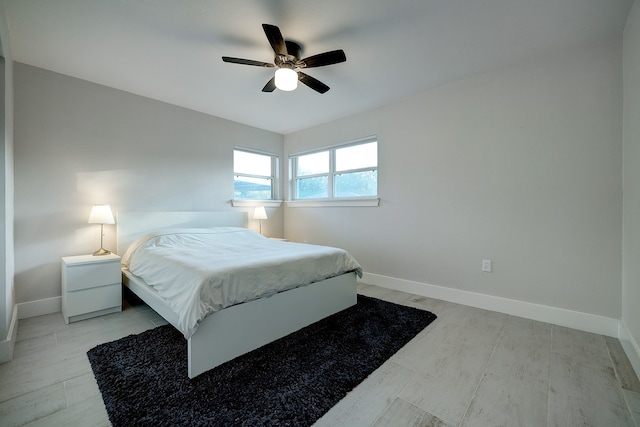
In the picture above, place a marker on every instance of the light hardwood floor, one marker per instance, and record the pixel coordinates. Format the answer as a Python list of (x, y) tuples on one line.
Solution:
[(471, 367)]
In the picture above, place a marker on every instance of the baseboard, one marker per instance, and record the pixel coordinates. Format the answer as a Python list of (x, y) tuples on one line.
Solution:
[(39, 307), (7, 345), (630, 346), (557, 316)]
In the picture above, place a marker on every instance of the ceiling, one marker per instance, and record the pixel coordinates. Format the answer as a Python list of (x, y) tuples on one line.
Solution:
[(171, 50)]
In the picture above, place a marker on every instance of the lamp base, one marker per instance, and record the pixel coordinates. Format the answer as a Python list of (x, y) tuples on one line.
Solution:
[(101, 251)]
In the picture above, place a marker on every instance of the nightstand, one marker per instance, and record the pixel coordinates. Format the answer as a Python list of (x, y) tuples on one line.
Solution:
[(91, 286)]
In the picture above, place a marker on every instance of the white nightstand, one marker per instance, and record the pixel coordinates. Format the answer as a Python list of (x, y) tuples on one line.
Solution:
[(91, 286)]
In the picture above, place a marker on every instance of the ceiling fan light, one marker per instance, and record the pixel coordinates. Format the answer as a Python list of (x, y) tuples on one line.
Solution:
[(286, 79)]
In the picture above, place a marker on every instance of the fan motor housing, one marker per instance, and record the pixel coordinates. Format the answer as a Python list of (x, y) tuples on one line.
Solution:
[(294, 51)]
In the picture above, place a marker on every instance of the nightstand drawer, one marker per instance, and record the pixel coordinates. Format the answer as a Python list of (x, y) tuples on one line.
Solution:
[(94, 299), (87, 276)]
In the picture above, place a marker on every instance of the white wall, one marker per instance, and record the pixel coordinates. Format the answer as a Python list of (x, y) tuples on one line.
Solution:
[(79, 143), (521, 166), (6, 200), (631, 183), (5, 301)]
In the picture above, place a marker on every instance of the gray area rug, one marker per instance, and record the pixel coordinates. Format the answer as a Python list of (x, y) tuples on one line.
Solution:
[(290, 382)]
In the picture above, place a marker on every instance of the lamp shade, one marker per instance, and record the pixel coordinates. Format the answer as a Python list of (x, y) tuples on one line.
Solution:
[(101, 214), (286, 79), (260, 213)]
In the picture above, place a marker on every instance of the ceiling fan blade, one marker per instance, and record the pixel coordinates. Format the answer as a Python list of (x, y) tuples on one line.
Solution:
[(321, 59), (275, 39), (312, 82), (246, 62), (270, 86)]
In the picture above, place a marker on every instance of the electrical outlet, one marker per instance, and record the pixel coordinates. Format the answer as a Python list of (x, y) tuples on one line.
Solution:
[(486, 265)]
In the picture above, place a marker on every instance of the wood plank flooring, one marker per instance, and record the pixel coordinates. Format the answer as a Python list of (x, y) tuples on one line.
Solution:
[(471, 367)]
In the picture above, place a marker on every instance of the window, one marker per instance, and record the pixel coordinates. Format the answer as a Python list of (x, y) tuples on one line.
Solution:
[(254, 175), (346, 171)]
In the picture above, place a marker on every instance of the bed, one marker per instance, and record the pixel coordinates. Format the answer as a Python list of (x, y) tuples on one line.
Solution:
[(229, 331)]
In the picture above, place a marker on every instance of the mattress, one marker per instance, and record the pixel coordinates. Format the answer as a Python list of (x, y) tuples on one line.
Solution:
[(201, 271)]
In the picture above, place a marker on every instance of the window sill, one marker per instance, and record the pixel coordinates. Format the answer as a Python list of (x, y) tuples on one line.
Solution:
[(253, 203), (367, 202)]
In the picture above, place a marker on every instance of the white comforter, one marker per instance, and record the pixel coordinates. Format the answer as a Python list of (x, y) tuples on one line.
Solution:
[(200, 271)]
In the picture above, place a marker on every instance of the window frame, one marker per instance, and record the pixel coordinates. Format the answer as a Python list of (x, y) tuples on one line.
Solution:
[(331, 199), (274, 177)]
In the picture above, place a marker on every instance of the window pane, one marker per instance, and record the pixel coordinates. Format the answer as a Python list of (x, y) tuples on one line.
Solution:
[(312, 188), (357, 157), (251, 163), (312, 164), (356, 184), (248, 188)]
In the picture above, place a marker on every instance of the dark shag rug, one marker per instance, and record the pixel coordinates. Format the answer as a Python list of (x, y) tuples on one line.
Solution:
[(290, 382)]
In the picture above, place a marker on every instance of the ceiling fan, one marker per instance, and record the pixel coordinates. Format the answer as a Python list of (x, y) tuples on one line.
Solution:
[(288, 62)]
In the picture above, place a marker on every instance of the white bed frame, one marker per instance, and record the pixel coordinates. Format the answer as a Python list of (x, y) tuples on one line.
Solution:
[(239, 329)]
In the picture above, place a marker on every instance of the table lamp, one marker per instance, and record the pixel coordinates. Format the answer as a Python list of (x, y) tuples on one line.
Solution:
[(101, 214), (260, 213)]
